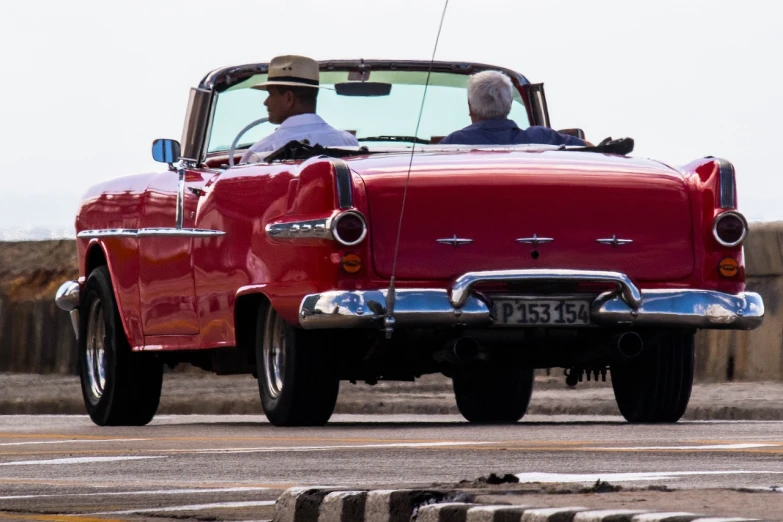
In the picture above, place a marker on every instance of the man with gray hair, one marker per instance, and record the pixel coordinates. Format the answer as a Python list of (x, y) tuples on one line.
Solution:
[(490, 94)]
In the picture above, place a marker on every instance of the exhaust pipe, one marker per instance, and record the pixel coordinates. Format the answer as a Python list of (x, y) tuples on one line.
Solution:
[(458, 351), (629, 344)]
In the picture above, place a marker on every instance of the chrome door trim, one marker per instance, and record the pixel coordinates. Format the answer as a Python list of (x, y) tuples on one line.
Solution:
[(148, 232)]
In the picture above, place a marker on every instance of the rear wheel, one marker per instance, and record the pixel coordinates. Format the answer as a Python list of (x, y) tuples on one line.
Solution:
[(656, 385), (120, 388), (493, 394), (297, 378)]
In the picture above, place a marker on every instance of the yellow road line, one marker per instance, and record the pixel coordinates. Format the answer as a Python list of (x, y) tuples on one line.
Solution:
[(55, 518), (148, 484), (148, 438)]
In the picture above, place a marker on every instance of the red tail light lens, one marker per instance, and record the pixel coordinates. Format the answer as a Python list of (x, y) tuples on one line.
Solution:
[(349, 228), (730, 229)]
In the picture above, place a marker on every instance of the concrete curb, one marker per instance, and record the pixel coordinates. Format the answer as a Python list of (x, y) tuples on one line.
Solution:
[(412, 505)]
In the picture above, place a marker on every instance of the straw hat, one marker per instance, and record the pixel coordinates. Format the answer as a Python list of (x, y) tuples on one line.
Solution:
[(298, 71)]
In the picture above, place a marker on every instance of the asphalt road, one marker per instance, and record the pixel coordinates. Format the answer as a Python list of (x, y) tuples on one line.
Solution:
[(233, 467)]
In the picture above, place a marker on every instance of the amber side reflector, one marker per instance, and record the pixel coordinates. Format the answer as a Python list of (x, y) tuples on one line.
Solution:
[(728, 267), (351, 263)]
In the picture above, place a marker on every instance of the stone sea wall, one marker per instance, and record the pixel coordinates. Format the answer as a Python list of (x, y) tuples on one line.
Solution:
[(36, 336)]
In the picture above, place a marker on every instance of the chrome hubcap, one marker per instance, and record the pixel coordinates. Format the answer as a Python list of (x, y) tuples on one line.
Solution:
[(95, 353), (276, 339)]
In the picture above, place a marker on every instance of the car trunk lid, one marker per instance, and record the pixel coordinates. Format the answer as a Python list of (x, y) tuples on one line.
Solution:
[(490, 210)]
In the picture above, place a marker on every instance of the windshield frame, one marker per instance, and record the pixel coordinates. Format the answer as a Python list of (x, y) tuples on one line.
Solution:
[(224, 78)]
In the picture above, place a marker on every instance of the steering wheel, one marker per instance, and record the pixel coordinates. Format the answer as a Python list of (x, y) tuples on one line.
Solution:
[(241, 133)]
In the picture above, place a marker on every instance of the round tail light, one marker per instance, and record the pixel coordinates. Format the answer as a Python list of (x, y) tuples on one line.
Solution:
[(730, 229), (349, 228)]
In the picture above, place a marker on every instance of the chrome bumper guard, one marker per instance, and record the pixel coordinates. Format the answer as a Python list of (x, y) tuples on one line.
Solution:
[(625, 306), (67, 298)]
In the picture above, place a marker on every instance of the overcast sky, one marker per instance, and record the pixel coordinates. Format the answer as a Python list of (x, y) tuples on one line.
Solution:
[(87, 85)]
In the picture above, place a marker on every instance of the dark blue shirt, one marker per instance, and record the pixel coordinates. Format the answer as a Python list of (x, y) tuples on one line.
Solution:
[(502, 131)]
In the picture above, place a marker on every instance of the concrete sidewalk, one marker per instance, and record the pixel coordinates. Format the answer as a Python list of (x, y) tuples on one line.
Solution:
[(199, 392)]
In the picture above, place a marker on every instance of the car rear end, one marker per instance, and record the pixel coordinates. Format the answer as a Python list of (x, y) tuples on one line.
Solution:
[(541, 259)]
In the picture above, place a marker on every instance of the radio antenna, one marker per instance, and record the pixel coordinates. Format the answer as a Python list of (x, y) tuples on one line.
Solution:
[(391, 296)]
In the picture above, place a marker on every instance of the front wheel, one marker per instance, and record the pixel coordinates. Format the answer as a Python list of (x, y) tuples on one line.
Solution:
[(120, 388), (656, 385), (493, 394), (297, 377)]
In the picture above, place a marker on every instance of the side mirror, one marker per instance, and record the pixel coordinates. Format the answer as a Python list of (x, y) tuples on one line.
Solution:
[(166, 151), (576, 133)]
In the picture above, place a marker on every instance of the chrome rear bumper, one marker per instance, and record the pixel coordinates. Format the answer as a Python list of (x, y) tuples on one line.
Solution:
[(626, 306)]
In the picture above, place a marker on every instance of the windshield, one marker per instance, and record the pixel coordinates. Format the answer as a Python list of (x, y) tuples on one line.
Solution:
[(395, 114)]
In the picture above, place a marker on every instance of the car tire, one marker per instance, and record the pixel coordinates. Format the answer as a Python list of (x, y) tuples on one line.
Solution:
[(493, 394), (119, 387), (297, 377), (656, 385)]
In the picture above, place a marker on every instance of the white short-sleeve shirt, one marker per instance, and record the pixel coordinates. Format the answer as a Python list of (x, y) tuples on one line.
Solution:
[(302, 126)]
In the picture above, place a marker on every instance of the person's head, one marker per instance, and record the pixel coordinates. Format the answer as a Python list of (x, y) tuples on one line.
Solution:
[(490, 94), (292, 84), (285, 101)]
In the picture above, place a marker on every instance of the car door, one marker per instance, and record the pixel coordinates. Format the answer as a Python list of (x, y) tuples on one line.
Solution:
[(166, 281)]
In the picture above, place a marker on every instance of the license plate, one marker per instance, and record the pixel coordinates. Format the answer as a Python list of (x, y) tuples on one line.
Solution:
[(541, 312)]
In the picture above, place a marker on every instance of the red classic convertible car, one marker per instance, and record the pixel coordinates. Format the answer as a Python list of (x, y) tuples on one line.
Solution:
[(401, 257)]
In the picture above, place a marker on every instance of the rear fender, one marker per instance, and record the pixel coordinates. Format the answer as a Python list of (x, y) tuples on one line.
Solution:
[(713, 184)]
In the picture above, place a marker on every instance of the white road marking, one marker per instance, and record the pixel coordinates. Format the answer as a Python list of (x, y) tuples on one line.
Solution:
[(275, 449), (151, 493), (628, 477), (66, 441), (192, 507), (74, 460), (703, 447)]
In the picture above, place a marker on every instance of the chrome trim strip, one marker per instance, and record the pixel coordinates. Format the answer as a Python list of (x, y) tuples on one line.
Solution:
[(720, 217), (454, 241), (149, 232), (108, 232), (180, 204), (686, 308), (728, 184), (614, 241), (307, 229), (343, 183), (67, 297), (431, 307), (179, 232), (535, 240), (464, 284)]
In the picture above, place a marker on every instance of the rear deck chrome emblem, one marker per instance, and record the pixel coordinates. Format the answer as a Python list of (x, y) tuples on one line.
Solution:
[(454, 241), (614, 241), (535, 240)]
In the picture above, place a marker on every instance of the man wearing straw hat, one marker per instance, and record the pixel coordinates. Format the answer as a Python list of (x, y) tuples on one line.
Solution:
[(292, 84)]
